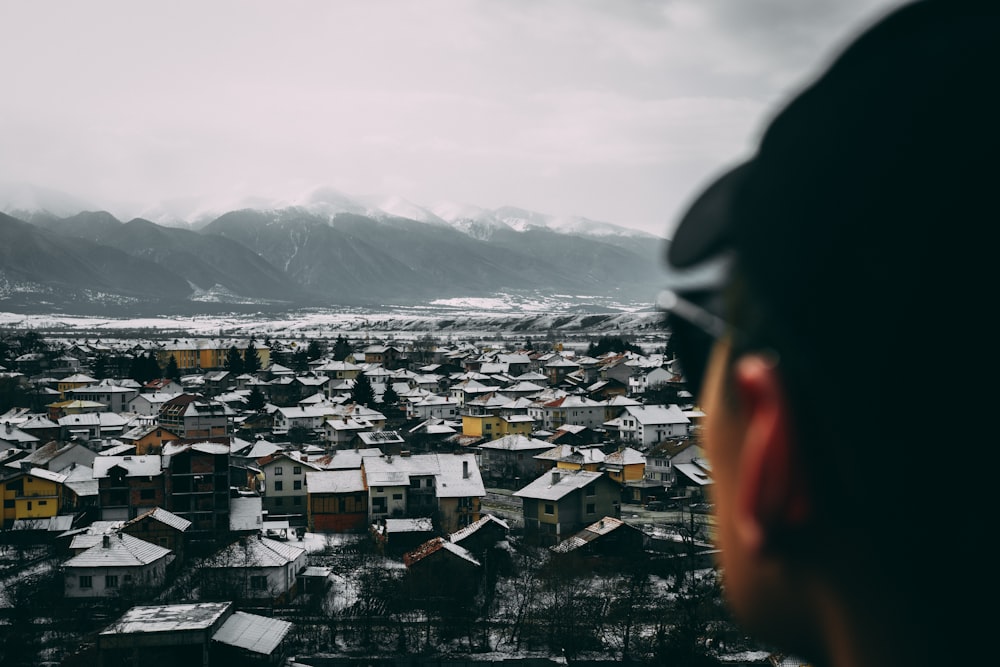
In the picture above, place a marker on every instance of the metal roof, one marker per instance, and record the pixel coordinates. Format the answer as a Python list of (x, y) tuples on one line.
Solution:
[(251, 632)]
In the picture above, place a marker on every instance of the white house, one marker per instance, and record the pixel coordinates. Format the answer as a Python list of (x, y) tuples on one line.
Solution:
[(118, 563), (649, 424), (256, 567)]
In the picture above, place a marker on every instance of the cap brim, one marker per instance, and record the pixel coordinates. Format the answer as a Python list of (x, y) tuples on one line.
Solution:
[(703, 231)]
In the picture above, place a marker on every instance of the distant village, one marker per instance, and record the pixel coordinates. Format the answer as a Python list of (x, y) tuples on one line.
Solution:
[(239, 466)]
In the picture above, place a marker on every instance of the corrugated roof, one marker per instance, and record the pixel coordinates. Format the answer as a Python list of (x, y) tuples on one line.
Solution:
[(164, 516), (251, 632)]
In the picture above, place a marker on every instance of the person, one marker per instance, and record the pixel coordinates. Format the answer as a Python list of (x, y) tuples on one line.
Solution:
[(829, 305)]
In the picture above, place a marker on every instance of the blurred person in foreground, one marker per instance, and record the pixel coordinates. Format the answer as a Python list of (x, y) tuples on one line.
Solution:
[(830, 302)]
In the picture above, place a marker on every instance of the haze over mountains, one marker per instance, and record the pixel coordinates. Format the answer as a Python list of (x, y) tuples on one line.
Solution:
[(324, 250)]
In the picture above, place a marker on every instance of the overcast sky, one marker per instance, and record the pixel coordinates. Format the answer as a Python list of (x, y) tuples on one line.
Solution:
[(613, 110)]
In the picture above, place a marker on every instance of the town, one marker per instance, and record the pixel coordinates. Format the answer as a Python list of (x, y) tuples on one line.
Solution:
[(272, 500)]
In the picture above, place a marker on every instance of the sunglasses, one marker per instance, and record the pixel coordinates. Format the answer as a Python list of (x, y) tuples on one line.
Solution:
[(694, 329)]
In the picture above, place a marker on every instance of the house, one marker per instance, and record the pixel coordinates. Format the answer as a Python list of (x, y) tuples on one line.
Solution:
[(482, 535), (197, 487), (56, 456), (395, 537), (578, 410), (510, 460), (12, 436), (30, 493), (119, 565), (343, 430), (148, 438), (561, 502), (115, 397), (646, 425), (440, 568), (255, 568), (149, 403), (192, 416), (568, 457), (162, 386), (158, 526), (607, 538), (337, 501), (128, 486), (285, 483), (433, 406), (448, 487), (74, 382), (309, 417), (202, 634), (660, 461), (625, 465)]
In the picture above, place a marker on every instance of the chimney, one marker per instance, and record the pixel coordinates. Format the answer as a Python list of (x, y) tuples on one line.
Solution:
[(465, 470), (555, 476), (106, 541), (9, 427)]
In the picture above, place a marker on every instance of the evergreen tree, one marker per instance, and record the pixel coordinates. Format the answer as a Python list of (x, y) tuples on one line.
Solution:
[(100, 369), (362, 393), (234, 361), (256, 401), (315, 350), (300, 361), (173, 372), (389, 396), (251, 360), (341, 348)]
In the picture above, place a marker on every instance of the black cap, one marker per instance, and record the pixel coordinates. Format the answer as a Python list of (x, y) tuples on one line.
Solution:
[(894, 144)]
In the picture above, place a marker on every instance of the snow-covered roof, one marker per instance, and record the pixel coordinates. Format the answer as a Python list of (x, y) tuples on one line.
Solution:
[(135, 466), (168, 618), (258, 634), (118, 550), (256, 552), (165, 517), (335, 481), (555, 484)]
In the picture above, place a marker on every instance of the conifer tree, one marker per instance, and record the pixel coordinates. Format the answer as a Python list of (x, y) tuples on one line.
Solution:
[(363, 393), (173, 371), (234, 361), (256, 401), (389, 396), (251, 360)]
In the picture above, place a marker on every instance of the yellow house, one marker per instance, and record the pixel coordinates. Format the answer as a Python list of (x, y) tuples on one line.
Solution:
[(32, 494), (625, 465), (150, 439), (74, 382), (206, 354), (495, 426)]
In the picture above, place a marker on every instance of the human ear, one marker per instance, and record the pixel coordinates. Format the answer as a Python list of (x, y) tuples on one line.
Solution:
[(773, 497)]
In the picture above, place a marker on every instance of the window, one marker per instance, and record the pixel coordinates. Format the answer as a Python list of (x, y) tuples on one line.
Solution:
[(8, 504), (279, 501), (550, 508), (111, 581), (29, 504), (277, 470), (297, 500), (590, 508), (297, 485), (278, 486), (258, 583), (86, 581), (297, 470), (397, 496), (42, 502), (429, 483)]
